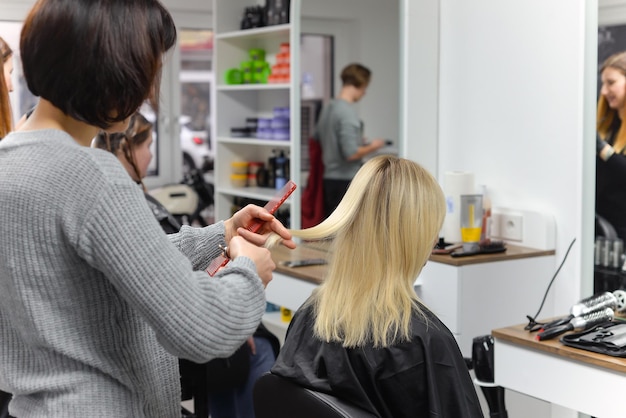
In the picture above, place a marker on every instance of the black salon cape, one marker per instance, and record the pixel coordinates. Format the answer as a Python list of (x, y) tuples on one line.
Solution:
[(426, 377)]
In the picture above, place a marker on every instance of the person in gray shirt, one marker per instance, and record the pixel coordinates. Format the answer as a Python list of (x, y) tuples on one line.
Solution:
[(340, 133), (97, 302)]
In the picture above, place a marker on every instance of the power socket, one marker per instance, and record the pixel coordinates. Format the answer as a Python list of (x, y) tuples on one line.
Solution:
[(538, 229), (507, 226)]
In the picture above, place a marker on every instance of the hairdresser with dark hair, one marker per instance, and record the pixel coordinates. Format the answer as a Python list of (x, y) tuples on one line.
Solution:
[(97, 302), (611, 144)]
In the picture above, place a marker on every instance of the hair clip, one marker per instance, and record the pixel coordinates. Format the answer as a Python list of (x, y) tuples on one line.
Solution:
[(224, 249)]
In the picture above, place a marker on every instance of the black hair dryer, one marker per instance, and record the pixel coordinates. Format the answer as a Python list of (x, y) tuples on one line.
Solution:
[(482, 362)]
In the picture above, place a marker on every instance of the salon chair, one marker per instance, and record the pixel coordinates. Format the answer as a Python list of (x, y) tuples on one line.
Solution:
[(483, 364), (276, 397), (193, 381), (5, 398)]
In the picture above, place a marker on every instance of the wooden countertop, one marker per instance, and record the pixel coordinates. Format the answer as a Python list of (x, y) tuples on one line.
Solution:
[(513, 252), (314, 274), (518, 335)]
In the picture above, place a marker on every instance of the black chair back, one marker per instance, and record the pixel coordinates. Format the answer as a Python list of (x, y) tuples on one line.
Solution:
[(276, 397), (5, 398)]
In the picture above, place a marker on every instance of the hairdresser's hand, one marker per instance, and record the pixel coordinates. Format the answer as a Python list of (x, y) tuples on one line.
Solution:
[(262, 258), (236, 226), (367, 149)]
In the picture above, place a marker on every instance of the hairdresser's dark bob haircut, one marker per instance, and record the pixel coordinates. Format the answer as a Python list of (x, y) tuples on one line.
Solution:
[(96, 60)]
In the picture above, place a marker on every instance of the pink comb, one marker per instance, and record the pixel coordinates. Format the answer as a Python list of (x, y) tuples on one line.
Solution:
[(271, 206)]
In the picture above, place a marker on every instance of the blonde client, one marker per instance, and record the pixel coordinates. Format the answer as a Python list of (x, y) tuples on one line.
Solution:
[(364, 335)]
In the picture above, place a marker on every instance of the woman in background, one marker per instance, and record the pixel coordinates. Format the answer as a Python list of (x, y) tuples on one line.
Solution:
[(6, 86), (132, 148), (97, 303), (611, 144), (364, 336)]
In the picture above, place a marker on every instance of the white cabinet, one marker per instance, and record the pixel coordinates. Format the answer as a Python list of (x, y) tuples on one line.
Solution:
[(473, 297), (233, 104)]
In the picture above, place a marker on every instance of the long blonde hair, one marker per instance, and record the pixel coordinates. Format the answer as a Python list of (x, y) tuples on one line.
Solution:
[(384, 230), (606, 116)]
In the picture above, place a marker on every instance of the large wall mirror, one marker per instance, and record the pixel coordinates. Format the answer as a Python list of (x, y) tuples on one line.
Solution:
[(609, 230)]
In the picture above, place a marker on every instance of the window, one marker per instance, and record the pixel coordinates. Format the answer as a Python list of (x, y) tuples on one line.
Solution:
[(196, 76)]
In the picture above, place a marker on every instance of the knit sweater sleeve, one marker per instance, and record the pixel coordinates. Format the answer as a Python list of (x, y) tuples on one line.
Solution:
[(194, 316), (200, 245)]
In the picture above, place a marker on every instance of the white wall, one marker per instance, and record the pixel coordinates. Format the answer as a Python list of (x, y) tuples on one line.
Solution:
[(15, 9), (419, 72), (612, 12)]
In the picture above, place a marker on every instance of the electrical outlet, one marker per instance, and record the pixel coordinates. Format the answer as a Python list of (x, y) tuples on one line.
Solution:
[(511, 227), (523, 227)]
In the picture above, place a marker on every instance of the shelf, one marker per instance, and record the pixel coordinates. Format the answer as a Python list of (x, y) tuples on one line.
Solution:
[(196, 76), (254, 141), (233, 103), (253, 87), (258, 193), (266, 32)]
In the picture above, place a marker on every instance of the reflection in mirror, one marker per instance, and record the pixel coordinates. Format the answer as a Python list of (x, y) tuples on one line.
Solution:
[(610, 230)]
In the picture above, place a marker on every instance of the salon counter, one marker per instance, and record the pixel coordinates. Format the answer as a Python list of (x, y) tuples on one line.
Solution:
[(311, 274), (314, 274), (513, 252), (472, 295), (576, 379)]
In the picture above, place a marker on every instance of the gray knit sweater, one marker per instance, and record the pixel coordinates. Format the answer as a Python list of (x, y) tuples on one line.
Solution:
[(96, 302)]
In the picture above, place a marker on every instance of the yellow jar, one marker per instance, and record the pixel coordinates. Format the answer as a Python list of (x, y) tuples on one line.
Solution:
[(239, 167), (239, 180)]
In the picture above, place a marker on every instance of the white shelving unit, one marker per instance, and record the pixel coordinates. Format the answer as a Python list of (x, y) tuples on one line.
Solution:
[(232, 104)]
